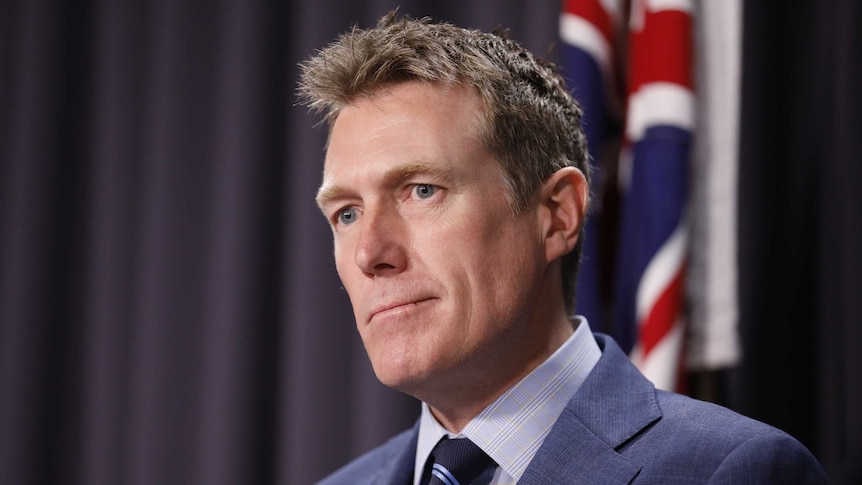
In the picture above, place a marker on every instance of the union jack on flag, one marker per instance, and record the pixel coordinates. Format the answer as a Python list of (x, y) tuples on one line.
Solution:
[(646, 306)]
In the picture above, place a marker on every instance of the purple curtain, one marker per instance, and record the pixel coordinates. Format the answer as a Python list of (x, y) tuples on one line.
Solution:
[(169, 309)]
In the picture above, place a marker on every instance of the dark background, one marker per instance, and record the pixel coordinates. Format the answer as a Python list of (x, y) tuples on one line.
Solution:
[(169, 310)]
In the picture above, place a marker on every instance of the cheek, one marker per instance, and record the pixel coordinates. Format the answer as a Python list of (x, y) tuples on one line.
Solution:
[(511, 259), (348, 273), (342, 252), (485, 267)]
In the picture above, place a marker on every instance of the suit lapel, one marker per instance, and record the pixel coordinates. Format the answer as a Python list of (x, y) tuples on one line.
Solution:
[(613, 405), (397, 466), (573, 454)]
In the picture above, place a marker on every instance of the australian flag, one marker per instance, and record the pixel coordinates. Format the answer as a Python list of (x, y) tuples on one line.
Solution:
[(635, 59)]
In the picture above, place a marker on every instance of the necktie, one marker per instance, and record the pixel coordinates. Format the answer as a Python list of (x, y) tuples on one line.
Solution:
[(457, 462)]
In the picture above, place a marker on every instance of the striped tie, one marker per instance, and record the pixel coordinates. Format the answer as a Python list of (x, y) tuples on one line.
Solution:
[(457, 462)]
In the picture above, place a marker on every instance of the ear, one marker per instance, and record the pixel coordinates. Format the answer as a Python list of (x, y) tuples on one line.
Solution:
[(564, 202)]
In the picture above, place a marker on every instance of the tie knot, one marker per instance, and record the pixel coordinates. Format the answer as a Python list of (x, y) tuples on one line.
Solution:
[(457, 462)]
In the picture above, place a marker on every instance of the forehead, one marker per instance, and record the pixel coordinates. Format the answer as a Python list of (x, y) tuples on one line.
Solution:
[(405, 123)]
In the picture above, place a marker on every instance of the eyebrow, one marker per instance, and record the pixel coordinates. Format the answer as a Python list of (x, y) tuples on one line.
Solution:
[(330, 192)]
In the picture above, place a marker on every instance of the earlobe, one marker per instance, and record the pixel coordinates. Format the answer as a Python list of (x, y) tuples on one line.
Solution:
[(564, 196)]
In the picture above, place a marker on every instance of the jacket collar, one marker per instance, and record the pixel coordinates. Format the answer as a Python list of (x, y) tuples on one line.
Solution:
[(397, 467), (613, 405)]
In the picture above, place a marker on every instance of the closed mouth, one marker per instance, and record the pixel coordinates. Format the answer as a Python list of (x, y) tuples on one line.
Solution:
[(396, 306)]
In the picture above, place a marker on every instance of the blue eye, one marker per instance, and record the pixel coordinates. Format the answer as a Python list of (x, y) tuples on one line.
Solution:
[(424, 191), (347, 215)]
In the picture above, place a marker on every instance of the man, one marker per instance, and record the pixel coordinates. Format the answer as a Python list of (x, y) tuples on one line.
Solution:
[(455, 183)]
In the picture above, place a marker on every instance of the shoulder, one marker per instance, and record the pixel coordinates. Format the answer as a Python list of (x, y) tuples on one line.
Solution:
[(676, 439), (719, 445), (378, 464)]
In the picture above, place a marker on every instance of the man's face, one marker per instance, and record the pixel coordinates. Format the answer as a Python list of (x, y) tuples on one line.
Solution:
[(442, 276)]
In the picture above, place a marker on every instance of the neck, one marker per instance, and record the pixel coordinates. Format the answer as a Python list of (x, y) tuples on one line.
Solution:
[(454, 410)]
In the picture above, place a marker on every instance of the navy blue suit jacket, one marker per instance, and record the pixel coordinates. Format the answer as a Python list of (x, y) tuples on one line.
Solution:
[(619, 429)]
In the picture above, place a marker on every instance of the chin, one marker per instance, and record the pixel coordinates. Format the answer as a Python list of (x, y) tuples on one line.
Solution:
[(402, 375), (395, 375)]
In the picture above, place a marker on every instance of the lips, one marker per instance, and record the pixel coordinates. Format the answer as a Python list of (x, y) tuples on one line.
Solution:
[(393, 307)]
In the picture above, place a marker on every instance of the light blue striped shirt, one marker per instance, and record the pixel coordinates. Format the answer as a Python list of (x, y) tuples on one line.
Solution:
[(513, 427)]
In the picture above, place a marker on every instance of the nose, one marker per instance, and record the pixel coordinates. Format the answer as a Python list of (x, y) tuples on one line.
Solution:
[(380, 249)]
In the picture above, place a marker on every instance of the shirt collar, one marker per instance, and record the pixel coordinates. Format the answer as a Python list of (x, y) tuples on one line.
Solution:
[(513, 427)]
